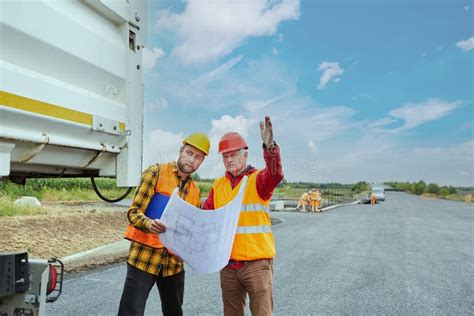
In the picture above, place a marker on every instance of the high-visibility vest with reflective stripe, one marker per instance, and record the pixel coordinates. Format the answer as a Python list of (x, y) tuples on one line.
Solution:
[(167, 182), (254, 238)]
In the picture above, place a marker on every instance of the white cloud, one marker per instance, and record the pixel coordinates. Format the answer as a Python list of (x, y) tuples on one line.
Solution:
[(415, 114), (439, 164), (300, 119), (347, 149), (379, 157), (313, 147), (161, 146), (209, 32), (219, 71), (382, 122), (213, 166), (149, 57), (256, 106), (230, 89), (274, 51), (227, 123), (329, 122), (155, 105), (466, 45), (331, 71), (302, 128)]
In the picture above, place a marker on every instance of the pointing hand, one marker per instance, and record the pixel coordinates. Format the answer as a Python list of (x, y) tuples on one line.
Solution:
[(266, 131)]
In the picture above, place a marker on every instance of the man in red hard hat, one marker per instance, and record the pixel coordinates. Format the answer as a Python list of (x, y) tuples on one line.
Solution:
[(250, 267)]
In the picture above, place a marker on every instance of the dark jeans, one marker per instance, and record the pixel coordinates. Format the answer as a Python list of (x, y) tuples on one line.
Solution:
[(138, 285)]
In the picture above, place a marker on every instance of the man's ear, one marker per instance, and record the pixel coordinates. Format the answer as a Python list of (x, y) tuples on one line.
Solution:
[(246, 154)]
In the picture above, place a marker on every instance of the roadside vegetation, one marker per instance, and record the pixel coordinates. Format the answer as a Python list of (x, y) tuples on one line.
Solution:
[(293, 190), (80, 189), (7, 208), (432, 190), (74, 189)]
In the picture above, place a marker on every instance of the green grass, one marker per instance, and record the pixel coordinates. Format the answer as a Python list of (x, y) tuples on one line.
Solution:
[(7, 208), (80, 194), (54, 190), (451, 197), (289, 192)]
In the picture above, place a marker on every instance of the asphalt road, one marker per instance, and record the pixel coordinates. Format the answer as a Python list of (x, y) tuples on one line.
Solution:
[(405, 256)]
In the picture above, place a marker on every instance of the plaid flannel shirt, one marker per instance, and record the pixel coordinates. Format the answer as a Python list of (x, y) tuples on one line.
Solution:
[(148, 259)]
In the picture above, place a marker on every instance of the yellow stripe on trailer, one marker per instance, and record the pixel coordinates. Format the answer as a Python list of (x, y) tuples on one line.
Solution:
[(48, 109)]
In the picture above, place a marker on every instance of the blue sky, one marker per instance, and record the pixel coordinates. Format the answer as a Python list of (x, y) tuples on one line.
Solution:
[(357, 90)]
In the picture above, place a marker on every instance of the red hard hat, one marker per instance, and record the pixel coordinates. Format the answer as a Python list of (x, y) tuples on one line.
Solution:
[(230, 142)]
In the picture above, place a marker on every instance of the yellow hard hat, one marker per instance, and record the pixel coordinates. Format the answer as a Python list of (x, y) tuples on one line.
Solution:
[(198, 140)]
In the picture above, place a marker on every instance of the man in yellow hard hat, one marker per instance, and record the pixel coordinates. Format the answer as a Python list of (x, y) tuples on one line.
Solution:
[(315, 199), (250, 268), (149, 262)]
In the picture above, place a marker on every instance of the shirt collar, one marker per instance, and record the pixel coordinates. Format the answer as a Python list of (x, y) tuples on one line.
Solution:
[(248, 170), (175, 171)]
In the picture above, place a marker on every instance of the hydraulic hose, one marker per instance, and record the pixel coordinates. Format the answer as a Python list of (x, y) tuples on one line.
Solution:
[(96, 190)]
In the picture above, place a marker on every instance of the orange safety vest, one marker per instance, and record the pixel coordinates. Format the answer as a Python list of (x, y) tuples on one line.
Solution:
[(254, 238), (315, 198), (373, 198), (167, 182)]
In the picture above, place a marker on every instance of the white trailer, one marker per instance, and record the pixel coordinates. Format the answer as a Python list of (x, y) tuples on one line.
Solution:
[(71, 91)]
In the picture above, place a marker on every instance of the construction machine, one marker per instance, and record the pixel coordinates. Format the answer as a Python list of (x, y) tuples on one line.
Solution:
[(71, 105)]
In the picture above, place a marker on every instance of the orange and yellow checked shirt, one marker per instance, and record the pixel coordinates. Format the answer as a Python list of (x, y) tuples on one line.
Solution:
[(148, 259)]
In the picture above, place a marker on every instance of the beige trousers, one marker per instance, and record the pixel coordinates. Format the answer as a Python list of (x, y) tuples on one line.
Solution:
[(254, 278)]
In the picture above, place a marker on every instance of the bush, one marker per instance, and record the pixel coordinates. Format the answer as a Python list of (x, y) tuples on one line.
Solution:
[(452, 190), (418, 188), (432, 188), (444, 192), (360, 187)]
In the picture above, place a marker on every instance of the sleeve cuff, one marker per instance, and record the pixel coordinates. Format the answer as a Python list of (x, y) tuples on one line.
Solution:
[(274, 149), (147, 225)]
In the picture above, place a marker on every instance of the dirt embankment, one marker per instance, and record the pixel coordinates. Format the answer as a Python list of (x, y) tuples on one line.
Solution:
[(67, 228)]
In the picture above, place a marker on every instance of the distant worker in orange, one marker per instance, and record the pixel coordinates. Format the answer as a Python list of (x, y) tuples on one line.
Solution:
[(303, 202), (373, 198), (315, 200)]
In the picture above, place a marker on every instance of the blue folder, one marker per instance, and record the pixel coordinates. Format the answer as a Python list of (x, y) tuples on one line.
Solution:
[(157, 206)]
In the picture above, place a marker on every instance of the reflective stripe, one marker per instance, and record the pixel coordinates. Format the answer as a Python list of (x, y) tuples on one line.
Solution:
[(254, 229), (35, 106), (255, 208)]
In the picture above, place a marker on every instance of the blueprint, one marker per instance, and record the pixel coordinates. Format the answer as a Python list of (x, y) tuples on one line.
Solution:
[(202, 238)]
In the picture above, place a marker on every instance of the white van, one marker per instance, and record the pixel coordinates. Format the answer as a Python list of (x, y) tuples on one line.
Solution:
[(379, 193)]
